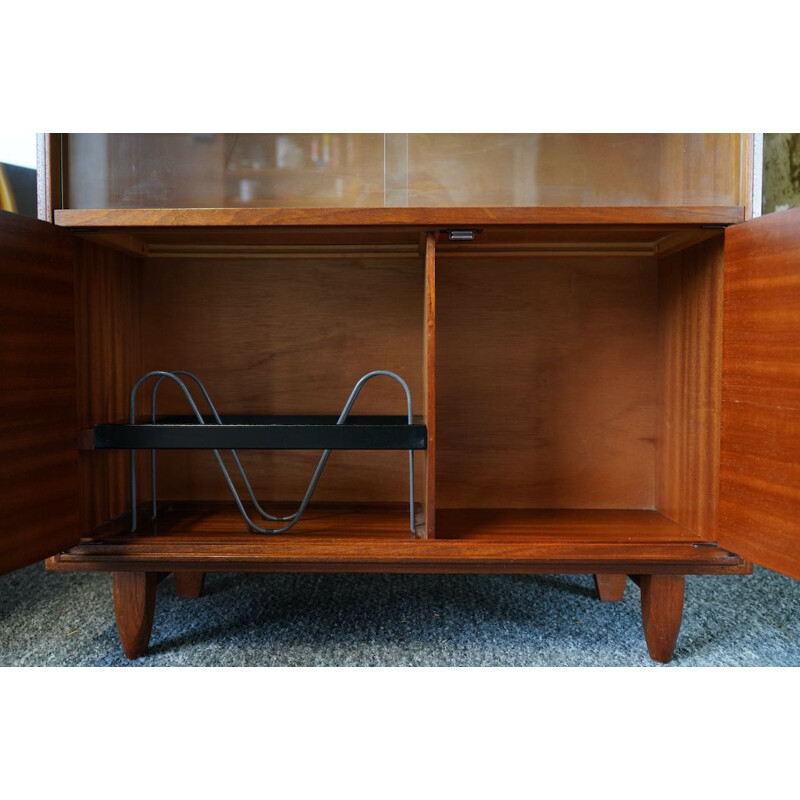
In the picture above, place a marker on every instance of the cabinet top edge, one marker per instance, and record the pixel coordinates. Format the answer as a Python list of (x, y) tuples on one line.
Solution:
[(398, 217)]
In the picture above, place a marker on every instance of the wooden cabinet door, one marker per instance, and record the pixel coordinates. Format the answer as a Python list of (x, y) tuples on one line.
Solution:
[(759, 512), (38, 415)]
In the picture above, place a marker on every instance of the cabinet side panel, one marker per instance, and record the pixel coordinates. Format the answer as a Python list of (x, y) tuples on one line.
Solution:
[(109, 352), (38, 430), (689, 364)]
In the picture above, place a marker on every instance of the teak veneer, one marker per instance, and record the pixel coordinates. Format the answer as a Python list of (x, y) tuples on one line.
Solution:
[(603, 390)]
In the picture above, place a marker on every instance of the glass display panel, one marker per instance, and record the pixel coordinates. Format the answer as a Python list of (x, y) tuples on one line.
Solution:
[(374, 170)]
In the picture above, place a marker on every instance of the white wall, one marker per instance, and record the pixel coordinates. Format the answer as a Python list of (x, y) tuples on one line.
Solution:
[(18, 148)]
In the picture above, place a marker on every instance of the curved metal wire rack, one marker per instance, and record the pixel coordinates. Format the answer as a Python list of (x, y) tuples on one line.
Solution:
[(117, 435)]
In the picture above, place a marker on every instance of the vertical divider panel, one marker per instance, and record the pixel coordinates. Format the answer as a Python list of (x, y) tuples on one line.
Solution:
[(429, 385)]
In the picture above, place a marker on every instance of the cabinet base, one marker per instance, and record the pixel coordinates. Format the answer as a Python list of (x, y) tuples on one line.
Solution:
[(662, 610), (134, 607), (610, 588), (661, 599), (189, 584)]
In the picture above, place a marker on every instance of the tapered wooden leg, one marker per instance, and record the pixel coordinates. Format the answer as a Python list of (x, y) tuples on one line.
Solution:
[(134, 604), (662, 609), (189, 584), (610, 588)]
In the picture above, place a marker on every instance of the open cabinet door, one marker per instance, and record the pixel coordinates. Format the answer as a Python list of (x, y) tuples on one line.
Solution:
[(759, 512), (38, 415)]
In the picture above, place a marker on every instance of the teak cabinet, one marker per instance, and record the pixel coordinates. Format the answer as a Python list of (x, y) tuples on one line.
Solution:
[(606, 390)]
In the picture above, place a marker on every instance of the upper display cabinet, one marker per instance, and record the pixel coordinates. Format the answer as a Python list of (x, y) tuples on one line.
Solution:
[(376, 170)]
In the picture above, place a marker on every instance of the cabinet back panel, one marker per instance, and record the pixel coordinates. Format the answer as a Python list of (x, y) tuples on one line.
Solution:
[(287, 336), (546, 382)]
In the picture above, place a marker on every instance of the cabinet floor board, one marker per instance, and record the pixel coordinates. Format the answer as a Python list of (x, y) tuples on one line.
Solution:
[(375, 538)]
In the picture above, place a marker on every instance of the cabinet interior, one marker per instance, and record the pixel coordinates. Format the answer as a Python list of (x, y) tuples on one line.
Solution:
[(576, 379), (582, 383)]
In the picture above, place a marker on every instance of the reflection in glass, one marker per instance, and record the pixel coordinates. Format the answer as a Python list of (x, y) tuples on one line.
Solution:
[(373, 170)]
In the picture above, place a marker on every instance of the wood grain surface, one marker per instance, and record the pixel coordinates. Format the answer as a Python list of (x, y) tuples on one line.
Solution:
[(376, 539), (546, 382), (383, 217), (189, 585), (689, 365), (108, 308), (759, 513), (38, 423), (610, 588), (288, 337), (429, 386), (662, 611), (560, 525), (285, 242), (134, 605)]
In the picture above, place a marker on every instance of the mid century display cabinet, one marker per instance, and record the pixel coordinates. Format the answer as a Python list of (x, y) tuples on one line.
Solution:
[(601, 347)]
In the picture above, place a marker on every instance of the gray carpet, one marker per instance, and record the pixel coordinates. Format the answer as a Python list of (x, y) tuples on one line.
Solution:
[(58, 619)]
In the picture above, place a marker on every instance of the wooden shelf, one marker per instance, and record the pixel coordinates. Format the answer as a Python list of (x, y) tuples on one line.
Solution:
[(211, 521), (411, 217), (558, 525), (397, 232), (375, 538)]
